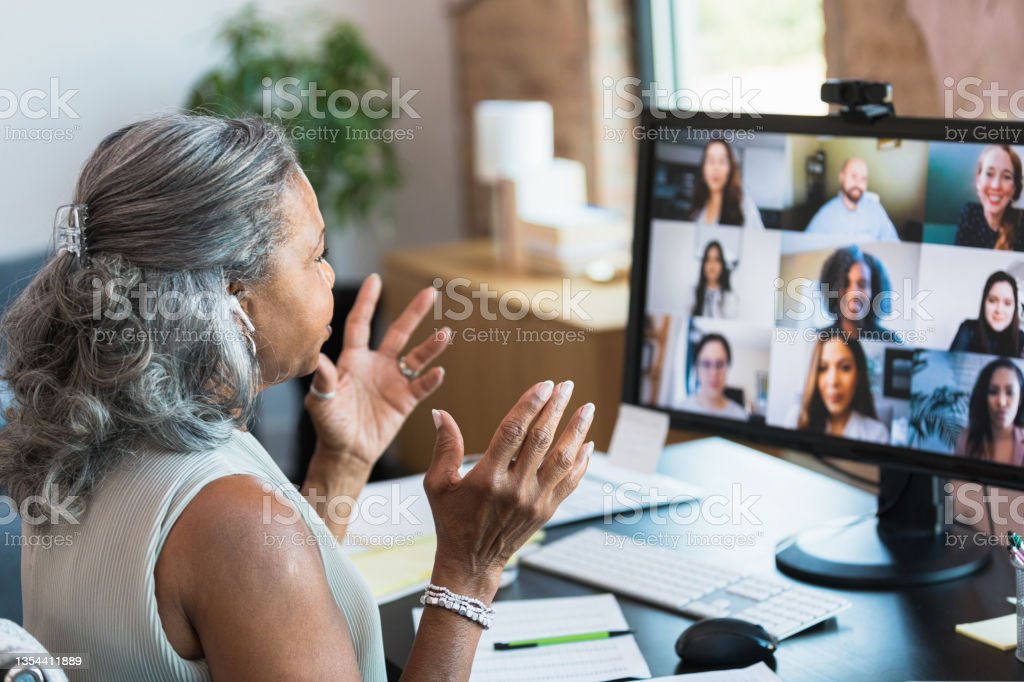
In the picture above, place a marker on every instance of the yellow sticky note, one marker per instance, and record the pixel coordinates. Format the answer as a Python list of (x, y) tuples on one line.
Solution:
[(1000, 632), (401, 570)]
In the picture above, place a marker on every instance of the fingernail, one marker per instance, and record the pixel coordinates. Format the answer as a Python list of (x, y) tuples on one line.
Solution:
[(588, 449), (436, 414), (588, 411), (564, 390), (544, 392), (442, 375)]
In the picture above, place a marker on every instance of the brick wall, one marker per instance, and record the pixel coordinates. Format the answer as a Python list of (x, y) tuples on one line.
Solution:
[(558, 51)]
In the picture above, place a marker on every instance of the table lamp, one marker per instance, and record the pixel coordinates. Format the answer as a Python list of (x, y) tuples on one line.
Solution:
[(512, 138)]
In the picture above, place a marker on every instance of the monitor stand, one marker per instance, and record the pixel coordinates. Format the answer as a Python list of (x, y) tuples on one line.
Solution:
[(907, 541)]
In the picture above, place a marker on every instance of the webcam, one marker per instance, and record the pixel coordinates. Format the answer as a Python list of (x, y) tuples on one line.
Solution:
[(859, 101)]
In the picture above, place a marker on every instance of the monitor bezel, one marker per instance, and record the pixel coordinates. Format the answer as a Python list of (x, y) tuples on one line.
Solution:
[(923, 129)]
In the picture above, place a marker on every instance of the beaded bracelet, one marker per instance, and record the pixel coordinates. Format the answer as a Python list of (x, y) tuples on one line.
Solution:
[(467, 607)]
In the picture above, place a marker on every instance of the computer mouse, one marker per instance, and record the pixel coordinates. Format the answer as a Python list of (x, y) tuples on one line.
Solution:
[(721, 642)]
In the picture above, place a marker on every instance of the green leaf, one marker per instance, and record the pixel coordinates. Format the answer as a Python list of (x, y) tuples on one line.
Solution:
[(352, 174)]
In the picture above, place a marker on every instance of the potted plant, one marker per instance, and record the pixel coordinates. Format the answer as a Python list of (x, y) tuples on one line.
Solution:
[(936, 414), (337, 133)]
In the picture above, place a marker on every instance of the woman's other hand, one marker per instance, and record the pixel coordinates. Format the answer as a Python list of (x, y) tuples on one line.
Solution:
[(372, 398), (482, 518)]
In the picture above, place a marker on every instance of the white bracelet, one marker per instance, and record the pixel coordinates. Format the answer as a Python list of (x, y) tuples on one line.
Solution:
[(468, 607)]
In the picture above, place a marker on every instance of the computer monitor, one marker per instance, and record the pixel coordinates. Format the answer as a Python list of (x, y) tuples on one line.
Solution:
[(851, 290)]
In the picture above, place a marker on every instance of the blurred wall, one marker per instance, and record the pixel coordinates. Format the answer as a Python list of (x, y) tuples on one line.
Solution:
[(918, 44), (129, 60)]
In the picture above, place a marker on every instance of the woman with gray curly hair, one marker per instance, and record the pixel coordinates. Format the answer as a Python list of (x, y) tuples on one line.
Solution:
[(191, 276)]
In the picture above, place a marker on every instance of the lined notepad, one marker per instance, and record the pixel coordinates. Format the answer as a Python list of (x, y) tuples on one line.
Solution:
[(595, 661)]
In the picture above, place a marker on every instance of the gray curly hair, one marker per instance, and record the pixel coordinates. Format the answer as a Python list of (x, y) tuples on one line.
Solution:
[(180, 206)]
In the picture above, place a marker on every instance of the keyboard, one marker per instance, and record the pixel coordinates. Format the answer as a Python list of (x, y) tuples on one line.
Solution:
[(672, 580)]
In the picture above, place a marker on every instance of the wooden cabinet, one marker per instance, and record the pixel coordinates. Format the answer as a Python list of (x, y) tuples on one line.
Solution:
[(508, 331)]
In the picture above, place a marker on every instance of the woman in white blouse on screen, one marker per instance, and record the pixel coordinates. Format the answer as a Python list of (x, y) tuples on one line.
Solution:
[(719, 197), (837, 396), (714, 296)]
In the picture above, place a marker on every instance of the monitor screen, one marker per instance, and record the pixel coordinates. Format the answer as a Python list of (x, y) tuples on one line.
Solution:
[(847, 289)]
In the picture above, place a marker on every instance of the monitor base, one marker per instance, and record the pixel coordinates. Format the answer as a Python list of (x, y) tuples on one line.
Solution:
[(860, 552)]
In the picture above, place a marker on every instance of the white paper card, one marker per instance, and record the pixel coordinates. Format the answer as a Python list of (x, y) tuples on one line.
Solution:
[(607, 659), (638, 438)]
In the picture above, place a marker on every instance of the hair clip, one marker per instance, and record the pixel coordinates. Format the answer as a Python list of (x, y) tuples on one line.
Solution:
[(67, 229)]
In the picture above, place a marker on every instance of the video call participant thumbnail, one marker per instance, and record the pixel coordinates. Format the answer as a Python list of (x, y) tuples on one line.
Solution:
[(854, 213), (996, 331), (992, 222), (837, 399), (712, 359), (719, 198), (995, 427), (856, 288), (714, 295)]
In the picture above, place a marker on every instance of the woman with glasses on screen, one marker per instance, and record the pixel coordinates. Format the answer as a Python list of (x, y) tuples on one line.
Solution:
[(719, 198), (997, 329), (837, 398), (995, 427), (712, 359), (715, 297), (992, 222)]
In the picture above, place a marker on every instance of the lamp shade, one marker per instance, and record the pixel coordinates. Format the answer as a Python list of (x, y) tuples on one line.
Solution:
[(512, 138)]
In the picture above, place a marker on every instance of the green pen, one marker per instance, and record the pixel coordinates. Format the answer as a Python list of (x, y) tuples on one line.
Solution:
[(561, 639)]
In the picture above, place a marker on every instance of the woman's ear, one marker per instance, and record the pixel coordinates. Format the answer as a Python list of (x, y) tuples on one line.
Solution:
[(237, 295)]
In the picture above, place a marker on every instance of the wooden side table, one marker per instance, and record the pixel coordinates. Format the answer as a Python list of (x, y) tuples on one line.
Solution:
[(509, 331)]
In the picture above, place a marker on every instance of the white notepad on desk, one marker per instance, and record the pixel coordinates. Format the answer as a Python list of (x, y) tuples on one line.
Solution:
[(595, 661), (392, 540), (396, 511), (610, 489)]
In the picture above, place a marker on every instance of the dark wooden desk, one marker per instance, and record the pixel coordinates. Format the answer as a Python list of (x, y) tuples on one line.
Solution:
[(895, 635)]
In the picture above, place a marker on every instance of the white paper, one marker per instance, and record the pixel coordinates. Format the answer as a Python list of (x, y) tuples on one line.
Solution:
[(396, 511), (608, 489), (389, 513), (759, 672), (638, 438), (608, 659)]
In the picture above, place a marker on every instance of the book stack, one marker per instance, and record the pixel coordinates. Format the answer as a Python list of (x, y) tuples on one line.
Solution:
[(575, 240)]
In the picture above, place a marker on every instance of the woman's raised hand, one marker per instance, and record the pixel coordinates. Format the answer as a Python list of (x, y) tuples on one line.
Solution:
[(482, 518), (371, 396)]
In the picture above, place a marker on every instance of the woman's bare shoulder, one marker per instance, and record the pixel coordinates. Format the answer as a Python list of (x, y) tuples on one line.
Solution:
[(240, 573)]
